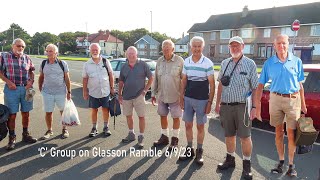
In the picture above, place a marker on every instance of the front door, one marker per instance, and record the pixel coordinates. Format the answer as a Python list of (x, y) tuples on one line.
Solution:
[(306, 56)]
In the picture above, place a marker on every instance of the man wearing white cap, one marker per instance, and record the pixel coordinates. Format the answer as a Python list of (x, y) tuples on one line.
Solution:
[(238, 80)]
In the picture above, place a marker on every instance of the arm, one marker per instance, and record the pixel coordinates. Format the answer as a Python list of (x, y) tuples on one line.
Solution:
[(258, 94), (40, 81), (120, 91), (183, 85), (211, 93), (10, 84), (30, 80), (146, 88), (218, 101), (85, 88), (253, 113), (68, 84), (303, 102), (111, 77), (154, 88)]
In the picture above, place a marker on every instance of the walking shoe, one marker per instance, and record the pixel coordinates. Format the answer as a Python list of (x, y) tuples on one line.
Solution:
[(163, 141), (277, 169), (199, 158), (106, 131), (26, 137), (140, 141), (228, 163), (12, 142), (246, 172), (187, 154), (93, 132), (47, 135), (174, 143), (291, 171), (131, 137), (65, 134)]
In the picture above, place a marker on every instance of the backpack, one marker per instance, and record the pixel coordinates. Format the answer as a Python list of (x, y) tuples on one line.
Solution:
[(104, 61), (47, 60)]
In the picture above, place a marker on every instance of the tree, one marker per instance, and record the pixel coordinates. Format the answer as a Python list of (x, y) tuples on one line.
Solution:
[(67, 42), (41, 40), (15, 31)]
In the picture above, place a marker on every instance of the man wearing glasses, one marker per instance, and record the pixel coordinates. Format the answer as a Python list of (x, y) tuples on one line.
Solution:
[(16, 69)]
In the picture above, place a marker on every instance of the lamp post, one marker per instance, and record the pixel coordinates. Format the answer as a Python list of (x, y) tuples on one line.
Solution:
[(150, 36), (12, 35)]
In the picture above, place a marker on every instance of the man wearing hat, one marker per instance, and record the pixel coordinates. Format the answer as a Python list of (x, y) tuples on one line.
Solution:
[(16, 69), (237, 80)]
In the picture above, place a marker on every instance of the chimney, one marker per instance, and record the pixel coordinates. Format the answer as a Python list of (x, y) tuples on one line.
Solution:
[(245, 11), (101, 31)]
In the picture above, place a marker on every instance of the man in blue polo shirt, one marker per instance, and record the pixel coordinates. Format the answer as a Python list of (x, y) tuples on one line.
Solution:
[(286, 97)]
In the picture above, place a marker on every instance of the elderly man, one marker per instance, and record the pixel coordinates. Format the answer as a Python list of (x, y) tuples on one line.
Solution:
[(16, 69), (286, 97), (132, 90), (166, 87), (242, 77), (54, 85), (98, 79), (197, 92)]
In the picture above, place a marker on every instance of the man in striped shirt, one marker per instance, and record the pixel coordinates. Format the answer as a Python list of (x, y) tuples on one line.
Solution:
[(238, 79), (197, 92)]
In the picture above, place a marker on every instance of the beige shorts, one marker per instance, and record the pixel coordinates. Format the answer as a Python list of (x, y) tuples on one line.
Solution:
[(139, 105), (283, 109)]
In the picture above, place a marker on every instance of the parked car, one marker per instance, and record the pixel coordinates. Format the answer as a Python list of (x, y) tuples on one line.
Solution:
[(116, 65), (107, 57), (311, 86)]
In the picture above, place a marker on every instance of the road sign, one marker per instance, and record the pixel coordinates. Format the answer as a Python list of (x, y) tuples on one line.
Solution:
[(295, 26)]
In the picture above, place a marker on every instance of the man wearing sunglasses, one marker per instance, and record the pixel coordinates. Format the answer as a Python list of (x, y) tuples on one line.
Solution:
[(16, 69)]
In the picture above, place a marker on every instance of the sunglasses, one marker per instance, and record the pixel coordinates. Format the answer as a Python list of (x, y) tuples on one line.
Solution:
[(19, 46)]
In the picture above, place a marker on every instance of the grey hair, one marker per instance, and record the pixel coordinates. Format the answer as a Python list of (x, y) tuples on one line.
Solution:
[(197, 39), (167, 41), (134, 48), (281, 35), (56, 50), (17, 40), (96, 45)]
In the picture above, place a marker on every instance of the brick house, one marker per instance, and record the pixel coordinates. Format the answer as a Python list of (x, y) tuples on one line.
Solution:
[(147, 47)]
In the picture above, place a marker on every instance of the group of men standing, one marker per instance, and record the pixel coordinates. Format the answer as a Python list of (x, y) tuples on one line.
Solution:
[(182, 87)]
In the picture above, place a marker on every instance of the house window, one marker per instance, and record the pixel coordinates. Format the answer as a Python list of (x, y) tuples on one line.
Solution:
[(181, 46), (315, 30), (141, 46), (262, 51), (316, 50), (266, 33), (198, 34), (101, 44), (248, 49), (224, 49), (141, 52), (213, 36), (225, 34), (287, 31), (247, 33), (152, 46)]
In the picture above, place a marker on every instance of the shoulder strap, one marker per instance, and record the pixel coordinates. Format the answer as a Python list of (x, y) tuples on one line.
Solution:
[(104, 61), (43, 64), (61, 65), (226, 68)]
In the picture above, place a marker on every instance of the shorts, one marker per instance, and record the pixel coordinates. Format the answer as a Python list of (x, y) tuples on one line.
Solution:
[(174, 108), (95, 103), (235, 120), (192, 106), (139, 105), (281, 108), (14, 98), (49, 101)]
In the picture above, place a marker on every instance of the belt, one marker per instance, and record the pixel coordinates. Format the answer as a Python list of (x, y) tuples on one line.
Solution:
[(21, 84), (286, 95), (232, 104)]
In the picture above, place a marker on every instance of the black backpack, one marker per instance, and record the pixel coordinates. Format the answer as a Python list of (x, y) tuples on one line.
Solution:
[(47, 60)]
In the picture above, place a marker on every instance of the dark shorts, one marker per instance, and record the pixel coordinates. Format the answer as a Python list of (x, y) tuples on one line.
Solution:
[(234, 120), (98, 102)]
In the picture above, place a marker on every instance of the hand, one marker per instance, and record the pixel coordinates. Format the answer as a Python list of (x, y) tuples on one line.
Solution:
[(153, 101), (11, 85), (304, 109), (182, 102), (253, 114), (208, 108), (68, 96), (144, 92), (112, 92), (120, 99), (258, 113), (217, 109), (85, 96)]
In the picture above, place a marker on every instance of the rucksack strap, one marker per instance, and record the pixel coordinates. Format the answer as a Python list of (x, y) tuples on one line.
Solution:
[(47, 60)]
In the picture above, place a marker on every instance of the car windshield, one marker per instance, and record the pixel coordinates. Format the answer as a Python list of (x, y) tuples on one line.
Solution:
[(152, 65), (312, 81), (114, 65)]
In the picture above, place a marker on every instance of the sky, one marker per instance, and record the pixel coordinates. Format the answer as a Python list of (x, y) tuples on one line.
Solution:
[(170, 17)]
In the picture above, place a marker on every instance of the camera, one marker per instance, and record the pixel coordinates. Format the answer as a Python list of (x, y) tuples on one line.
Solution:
[(225, 80)]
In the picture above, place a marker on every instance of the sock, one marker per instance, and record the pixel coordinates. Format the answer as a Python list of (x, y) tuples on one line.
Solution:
[(131, 130), (12, 133), (141, 134), (106, 124), (246, 157), (165, 132), (281, 161), (199, 146), (25, 129), (291, 166), (94, 125), (175, 132), (190, 144), (232, 154)]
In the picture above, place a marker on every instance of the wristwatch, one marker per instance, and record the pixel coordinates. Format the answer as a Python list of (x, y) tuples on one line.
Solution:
[(69, 92)]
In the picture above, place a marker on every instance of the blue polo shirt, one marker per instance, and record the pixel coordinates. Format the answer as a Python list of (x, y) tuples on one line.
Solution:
[(285, 76)]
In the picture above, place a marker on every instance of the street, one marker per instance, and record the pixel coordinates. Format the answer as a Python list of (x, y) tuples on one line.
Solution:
[(80, 157)]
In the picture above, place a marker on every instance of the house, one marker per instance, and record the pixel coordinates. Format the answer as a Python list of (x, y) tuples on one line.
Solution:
[(258, 28), (147, 47), (181, 46), (109, 44)]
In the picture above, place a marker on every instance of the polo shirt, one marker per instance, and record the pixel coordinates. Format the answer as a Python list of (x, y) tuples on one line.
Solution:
[(284, 76)]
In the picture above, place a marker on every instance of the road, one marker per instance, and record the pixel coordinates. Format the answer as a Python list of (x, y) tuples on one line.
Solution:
[(26, 162)]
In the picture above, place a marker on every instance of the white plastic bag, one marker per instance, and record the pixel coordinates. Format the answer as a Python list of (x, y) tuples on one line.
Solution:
[(70, 115)]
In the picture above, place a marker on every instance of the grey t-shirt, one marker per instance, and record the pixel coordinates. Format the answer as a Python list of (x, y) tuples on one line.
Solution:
[(134, 79), (53, 82)]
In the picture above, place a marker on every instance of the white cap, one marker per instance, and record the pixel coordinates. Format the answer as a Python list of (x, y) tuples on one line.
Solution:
[(237, 39)]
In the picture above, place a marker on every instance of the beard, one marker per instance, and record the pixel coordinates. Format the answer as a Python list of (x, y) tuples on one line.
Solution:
[(235, 55), (95, 55)]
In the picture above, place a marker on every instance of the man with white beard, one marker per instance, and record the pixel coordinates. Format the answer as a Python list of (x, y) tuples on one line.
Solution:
[(238, 80), (98, 84)]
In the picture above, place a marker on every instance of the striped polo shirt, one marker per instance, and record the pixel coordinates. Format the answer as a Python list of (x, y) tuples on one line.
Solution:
[(243, 80), (197, 74)]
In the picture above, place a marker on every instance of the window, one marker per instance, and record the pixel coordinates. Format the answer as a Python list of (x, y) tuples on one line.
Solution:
[(315, 30), (316, 50), (198, 34), (152, 46), (213, 36), (266, 33), (262, 51), (248, 49), (181, 46), (141, 46), (225, 34), (247, 33), (141, 52), (287, 31), (224, 49)]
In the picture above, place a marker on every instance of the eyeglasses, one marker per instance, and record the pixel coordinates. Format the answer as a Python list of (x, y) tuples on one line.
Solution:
[(19, 46), (50, 51)]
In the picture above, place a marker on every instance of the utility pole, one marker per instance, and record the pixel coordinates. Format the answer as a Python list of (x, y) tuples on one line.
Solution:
[(150, 36), (12, 35), (87, 43)]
